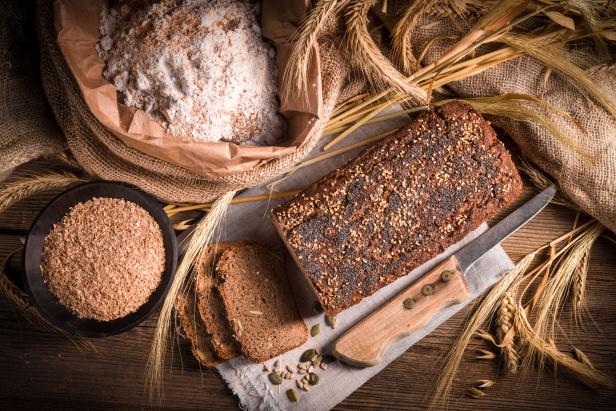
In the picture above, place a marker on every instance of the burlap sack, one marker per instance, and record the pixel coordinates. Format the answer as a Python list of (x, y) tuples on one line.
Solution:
[(27, 128), (102, 154), (586, 174)]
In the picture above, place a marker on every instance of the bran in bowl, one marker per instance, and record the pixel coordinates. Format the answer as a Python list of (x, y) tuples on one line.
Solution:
[(104, 259)]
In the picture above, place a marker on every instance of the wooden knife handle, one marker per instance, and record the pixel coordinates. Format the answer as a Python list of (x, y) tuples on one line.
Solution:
[(364, 344)]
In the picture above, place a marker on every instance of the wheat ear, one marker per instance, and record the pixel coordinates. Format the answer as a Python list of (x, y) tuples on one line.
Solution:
[(368, 57), (401, 36), (578, 294), (20, 300), (24, 187), (583, 358), (506, 331), (295, 76), (202, 235)]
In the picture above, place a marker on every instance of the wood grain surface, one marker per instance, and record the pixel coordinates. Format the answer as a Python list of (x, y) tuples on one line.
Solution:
[(40, 370)]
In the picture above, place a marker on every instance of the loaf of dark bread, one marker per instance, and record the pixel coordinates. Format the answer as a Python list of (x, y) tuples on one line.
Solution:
[(400, 203), (258, 302), (211, 308)]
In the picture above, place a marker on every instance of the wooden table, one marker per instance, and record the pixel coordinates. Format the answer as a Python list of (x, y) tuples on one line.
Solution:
[(40, 370)]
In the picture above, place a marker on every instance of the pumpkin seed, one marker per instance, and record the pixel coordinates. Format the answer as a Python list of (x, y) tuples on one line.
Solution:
[(292, 395), (314, 331), (313, 379), (239, 328), (446, 276), (330, 320), (307, 355), (427, 290), (275, 378)]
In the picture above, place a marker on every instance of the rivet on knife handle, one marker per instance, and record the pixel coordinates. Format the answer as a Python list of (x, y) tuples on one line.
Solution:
[(365, 343)]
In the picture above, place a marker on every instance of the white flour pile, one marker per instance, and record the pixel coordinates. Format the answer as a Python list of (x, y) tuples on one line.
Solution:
[(200, 67)]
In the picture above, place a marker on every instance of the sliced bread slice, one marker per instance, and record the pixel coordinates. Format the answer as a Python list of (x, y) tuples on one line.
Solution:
[(211, 308), (186, 307), (258, 302)]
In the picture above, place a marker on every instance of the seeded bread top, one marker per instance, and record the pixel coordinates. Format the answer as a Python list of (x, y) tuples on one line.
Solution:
[(259, 303), (211, 308), (400, 203), (186, 307)]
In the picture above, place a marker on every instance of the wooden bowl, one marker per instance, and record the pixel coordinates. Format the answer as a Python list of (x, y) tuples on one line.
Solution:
[(48, 304)]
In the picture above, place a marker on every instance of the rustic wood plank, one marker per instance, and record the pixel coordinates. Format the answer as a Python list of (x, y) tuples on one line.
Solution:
[(45, 371)]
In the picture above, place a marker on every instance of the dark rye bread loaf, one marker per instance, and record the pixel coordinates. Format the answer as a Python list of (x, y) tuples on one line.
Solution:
[(211, 308), (186, 307), (258, 302), (400, 203)]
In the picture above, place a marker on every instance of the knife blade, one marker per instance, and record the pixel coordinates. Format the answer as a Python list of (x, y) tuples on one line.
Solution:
[(365, 343)]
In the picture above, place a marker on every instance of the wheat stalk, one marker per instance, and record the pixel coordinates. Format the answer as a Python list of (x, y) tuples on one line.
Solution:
[(557, 61), (24, 187), (548, 306), (367, 55), (481, 314), (202, 235), (172, 209), (541, 182), (506, 331), (584, 373)]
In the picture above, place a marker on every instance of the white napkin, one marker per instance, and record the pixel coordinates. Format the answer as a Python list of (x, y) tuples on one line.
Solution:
[(252, 222)]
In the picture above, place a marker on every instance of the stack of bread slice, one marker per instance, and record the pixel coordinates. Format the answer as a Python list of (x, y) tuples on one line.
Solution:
[(241, 304)]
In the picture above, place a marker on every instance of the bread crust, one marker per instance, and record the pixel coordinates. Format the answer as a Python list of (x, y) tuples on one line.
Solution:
[(211, 309), (186, 307)]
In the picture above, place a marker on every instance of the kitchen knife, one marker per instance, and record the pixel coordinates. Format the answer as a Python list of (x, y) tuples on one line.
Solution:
[(364, 344)]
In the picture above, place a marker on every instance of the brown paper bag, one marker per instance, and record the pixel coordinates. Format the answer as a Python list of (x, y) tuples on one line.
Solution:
[(97, 128)]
